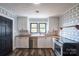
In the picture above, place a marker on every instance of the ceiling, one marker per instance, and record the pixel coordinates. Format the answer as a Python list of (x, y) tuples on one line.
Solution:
[(45, 9)]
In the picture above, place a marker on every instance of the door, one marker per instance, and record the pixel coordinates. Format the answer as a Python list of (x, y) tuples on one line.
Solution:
[(2, 36), (8, 35), (5, 35)]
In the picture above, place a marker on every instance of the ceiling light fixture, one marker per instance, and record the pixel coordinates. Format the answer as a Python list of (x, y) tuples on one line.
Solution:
[(37, 11), (36, 3)]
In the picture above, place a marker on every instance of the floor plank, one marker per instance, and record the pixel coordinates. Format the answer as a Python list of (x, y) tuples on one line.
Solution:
[(32, 52)]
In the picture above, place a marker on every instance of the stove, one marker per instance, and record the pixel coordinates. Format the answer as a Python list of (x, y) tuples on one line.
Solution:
[(66, 47)]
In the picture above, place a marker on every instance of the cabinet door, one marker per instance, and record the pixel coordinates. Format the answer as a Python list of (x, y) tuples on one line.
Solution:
[(26, 41), (41, 42), (44, 42), (22, 42), (48, 42), (17, 42)]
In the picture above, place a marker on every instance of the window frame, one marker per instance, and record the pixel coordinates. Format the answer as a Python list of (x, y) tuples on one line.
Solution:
[(31, 28), (38, 28), (42, 28)]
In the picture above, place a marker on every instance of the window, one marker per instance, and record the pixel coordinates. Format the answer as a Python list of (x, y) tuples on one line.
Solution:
[(42, 27), (33, 27), (38, 27)]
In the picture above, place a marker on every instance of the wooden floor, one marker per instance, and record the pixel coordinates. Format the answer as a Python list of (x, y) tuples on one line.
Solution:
[(33, 52)]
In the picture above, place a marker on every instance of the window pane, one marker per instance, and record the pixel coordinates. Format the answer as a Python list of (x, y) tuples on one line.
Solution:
[(42, 26), (33, 25), (42, 30), (33, 30), (38, 27)]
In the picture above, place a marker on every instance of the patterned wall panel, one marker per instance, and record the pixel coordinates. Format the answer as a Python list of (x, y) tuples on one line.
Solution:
[(7, 13), (71, 17)]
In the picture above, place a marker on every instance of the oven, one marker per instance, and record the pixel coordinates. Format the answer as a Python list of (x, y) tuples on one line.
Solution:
[(58, 49), (66, 47)]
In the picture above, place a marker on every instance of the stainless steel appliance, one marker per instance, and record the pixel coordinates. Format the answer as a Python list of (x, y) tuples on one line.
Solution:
[(66, 47)]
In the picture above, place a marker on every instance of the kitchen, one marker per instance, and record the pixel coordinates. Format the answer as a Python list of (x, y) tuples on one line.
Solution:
[(39, 33)]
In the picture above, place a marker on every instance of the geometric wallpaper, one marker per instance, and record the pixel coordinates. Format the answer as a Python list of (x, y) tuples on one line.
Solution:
[(71, 17)]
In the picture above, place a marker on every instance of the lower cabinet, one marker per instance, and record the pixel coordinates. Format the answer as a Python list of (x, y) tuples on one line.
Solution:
[(44, 42), (22, 42), (40, 42)]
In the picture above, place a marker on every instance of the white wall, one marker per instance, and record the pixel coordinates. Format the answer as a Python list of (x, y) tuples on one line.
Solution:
[(53, 23), (22, 23), (15, 31)]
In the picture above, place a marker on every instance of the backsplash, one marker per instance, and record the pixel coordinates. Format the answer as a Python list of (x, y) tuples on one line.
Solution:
[(71, 17)]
